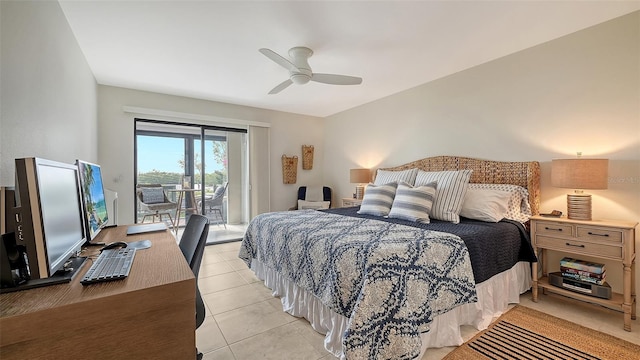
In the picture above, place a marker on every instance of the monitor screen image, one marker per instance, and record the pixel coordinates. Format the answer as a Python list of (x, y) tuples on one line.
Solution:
[(93, 198)]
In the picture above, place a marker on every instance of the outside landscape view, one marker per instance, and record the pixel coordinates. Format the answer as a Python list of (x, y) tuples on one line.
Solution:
[(161, 161)]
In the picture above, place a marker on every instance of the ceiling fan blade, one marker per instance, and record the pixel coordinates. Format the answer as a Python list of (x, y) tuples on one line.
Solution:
[(336, 79), (283, 85), (279, 60)]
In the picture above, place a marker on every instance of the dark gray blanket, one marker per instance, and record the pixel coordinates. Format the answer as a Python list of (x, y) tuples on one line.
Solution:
[(493, 247)]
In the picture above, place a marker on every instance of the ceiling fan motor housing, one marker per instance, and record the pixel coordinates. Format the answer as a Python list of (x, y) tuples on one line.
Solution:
[(299, 78), (299, 56)]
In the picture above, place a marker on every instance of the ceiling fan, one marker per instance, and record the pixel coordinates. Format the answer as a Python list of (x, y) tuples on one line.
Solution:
[(300, 71)]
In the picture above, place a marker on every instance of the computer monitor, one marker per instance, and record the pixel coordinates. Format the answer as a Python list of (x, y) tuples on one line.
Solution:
[(49, 222), (94, 203)]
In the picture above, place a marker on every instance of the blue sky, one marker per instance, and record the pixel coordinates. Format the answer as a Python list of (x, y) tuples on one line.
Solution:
[(163, 154)]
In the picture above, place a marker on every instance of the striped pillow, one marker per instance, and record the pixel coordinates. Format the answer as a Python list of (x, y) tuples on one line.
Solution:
[(387, 176), (452, 187), (378, 199), (413, 203)]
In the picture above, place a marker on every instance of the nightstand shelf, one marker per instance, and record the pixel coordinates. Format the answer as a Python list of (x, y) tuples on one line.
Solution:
[(614, 303), (601, 239), (348, 202)]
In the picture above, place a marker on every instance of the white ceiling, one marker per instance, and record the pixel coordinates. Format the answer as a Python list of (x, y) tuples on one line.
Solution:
[(209, 49)]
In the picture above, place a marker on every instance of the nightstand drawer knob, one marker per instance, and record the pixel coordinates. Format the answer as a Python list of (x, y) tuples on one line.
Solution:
[(555, 229), (596, 234), (574, 245)]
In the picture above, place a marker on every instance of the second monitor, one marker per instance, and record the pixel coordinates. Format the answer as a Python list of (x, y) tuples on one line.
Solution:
[(94, 203)]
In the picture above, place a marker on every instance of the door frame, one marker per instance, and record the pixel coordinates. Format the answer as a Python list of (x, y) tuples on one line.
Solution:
[(189, 149)]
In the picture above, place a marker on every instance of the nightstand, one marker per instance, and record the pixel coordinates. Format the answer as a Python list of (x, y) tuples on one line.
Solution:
[(347, 202), (602, 239)]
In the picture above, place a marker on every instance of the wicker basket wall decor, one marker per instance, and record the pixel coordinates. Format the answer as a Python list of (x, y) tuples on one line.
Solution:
[(289, 169), (307, 157)]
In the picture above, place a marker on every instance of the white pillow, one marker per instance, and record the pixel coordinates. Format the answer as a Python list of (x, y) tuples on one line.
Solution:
[(413, 203), (387, 176), (378, 199), (315, 205), (485, 205), (518, 208), (452, 187)]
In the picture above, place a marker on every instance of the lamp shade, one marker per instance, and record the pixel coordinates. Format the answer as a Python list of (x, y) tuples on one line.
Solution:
[(580, 173), (360, 176)]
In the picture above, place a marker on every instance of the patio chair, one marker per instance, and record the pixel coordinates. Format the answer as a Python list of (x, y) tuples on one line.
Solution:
[(214, 204), (154, 202)]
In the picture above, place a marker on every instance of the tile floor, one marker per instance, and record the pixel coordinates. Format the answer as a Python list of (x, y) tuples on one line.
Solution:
[(221, 234), (245, 322)]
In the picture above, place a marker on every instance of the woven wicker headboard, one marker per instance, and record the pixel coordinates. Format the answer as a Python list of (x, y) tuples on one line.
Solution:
[(525, 174)]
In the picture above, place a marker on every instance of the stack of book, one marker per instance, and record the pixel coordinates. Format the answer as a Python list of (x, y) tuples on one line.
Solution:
[(580, 270)]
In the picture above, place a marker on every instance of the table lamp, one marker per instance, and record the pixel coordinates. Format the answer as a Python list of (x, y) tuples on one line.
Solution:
[(360, 176), (579, 174)]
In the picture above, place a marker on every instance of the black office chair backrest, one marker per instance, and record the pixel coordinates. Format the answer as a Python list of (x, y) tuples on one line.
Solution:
[(193, 241)]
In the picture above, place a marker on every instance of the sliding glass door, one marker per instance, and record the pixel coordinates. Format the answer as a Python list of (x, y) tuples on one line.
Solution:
[(224, 174), (202, 169)]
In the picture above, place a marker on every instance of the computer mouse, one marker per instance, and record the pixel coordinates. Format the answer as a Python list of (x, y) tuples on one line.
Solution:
[(116, 244)]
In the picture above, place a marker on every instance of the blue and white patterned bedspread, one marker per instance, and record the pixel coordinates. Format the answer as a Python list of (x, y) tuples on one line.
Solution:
[(390, 280)]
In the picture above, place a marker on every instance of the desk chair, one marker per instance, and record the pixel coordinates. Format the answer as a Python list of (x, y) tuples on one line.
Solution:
[(192, 245)]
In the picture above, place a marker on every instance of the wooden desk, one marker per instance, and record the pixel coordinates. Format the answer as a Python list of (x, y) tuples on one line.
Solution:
[(150, 314)]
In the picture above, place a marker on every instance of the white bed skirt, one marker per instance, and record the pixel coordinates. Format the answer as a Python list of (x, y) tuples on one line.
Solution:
[(494, 296)]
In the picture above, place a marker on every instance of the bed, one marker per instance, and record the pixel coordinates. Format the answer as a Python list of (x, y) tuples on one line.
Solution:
[(384, 288)]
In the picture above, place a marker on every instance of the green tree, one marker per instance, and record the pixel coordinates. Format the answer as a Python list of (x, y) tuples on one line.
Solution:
[(159, 177), (220, 153)]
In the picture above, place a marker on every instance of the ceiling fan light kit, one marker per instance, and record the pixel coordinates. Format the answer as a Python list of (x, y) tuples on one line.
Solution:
[(300, 72)]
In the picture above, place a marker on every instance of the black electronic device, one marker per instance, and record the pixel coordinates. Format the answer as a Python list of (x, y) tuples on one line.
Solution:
[(48, 216), (7, 209), (94, 204), (554, 213), (115, 245), (13, 263), (602, 291)]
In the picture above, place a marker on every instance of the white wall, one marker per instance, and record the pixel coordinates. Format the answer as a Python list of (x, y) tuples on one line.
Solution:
[(48, 103), (288, 133), (577, 93)]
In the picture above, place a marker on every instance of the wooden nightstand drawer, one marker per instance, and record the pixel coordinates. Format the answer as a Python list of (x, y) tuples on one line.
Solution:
[(579, 247), (598, 234), (554, 229)]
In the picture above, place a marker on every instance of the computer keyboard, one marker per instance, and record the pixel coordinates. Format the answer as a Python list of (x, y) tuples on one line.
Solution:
[(111, 264)]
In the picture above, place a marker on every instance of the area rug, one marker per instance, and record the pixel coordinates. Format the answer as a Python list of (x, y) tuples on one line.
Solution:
[(524, 333)]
